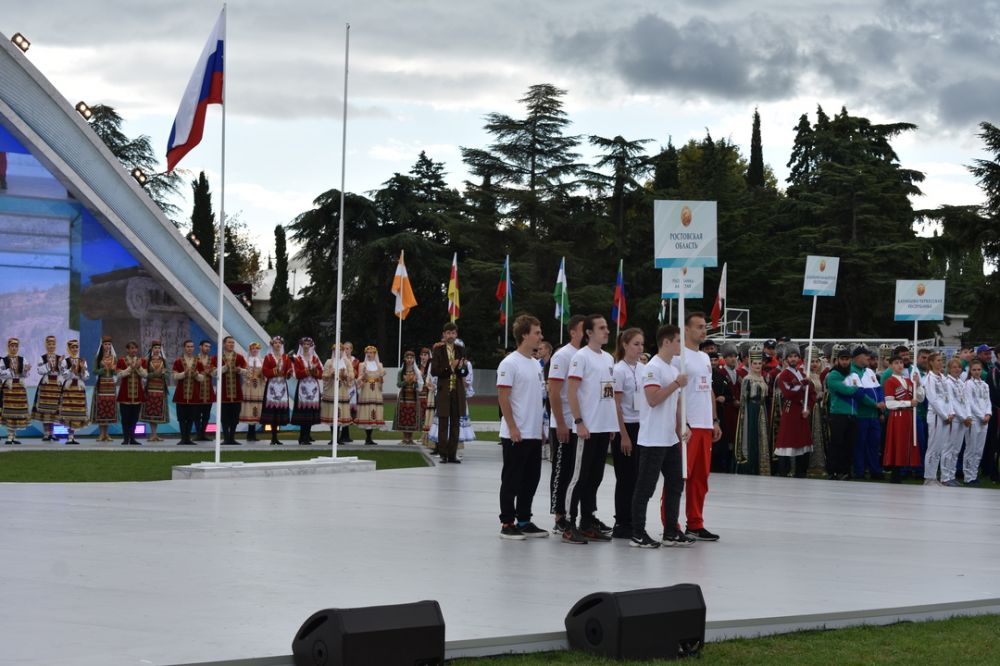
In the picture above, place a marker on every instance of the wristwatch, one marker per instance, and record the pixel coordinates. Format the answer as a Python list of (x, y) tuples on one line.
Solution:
[(577, 421)]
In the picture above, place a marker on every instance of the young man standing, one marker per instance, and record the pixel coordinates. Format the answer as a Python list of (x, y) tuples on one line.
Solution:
[(591, 394), (519, 392), (131, 371), (978, 397), (867, 446), (660, 431), (561, 436), (203, 412), (726, 387), (188, 376), (449, 367), (703, 423)]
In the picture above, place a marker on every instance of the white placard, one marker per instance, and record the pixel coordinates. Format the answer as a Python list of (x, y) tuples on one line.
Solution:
[(694, 282), (821, 276), (919, 300), (685, 233)]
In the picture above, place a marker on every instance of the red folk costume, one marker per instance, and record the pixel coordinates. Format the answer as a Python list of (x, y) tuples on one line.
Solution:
[(207, 394), (276, 370), (232, 384), (188, 391), (794, 430), (901, 449), (131, 372)]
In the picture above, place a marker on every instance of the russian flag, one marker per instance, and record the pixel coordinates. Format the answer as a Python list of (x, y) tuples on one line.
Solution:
[(204, 88), (618, 310)]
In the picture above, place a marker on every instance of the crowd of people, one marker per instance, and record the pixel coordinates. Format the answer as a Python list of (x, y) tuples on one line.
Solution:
[(844, 412), (257, 390)]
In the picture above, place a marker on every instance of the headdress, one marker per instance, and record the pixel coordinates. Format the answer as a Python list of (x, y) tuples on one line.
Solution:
[(756, 352), (884, 350), (280, 340), (254, 345), (10, 340), (302, 343), (371, 349), (728, 349)]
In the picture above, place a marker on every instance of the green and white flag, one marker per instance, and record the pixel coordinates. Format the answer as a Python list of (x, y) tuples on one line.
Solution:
[(561, 294)]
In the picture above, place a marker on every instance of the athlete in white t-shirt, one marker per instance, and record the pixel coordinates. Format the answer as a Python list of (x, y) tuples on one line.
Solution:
[(561, 436), (628, 395), (660, 430), (701, 420), (520, 383), (591, 395)]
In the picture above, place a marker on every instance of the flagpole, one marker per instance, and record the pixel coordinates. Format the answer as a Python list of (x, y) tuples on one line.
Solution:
[(222, 247), (335, 435), (506, 302), (399, 315), (914, 373), (809, 352), (670, 320), (684, 427)]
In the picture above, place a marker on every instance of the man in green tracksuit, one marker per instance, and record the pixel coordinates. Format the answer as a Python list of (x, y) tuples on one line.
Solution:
[(843, 386)]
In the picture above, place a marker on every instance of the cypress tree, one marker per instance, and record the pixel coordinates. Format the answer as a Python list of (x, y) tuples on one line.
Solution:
[(755, 172), (281, 297), (203, 220)]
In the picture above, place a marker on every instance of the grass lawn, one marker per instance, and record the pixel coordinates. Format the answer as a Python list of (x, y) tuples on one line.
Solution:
[(965, 640), (72, 466)]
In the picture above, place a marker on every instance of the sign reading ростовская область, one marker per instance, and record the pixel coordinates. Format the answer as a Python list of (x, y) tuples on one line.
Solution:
[(685, 234)]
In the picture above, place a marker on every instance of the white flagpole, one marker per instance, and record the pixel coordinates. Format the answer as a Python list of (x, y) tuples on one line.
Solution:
[(670, 319), (914, 373), (399, 353), (812, 327), (222, 245), (335, 436), (506, 302), (680, 324)]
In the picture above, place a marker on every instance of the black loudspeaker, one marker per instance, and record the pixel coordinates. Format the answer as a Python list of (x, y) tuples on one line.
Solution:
[(656, 623), (401, 635)]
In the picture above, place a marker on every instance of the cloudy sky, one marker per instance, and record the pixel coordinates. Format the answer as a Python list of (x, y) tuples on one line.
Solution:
[(423, 74)]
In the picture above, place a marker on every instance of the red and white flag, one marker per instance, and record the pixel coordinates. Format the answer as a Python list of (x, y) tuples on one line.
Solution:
[(720, 297)]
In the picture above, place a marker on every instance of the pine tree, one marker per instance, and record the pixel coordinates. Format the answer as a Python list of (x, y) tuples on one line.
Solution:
[(755, 172), (203, 220), (666, 176)]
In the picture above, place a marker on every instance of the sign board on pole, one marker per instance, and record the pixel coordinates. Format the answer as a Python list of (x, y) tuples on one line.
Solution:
[(919, 300), (821, 276), (694, 282), (685, 233)]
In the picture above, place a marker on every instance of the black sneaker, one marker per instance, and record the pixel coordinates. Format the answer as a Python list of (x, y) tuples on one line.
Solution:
[(643, 541), (621, 532), (596, 522), (593, 533), (511, 532), (677, 539), (701, 535), (533, 531), (573, 535), (561, 526)]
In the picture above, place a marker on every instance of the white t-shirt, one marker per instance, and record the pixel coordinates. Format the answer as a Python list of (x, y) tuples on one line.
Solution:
[(596, 394), (658, 425), (628, 382), (522, 375), (558, 371), (698, 394)]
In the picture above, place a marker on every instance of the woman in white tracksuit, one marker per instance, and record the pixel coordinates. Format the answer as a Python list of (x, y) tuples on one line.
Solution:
[(939, 418), (978, 395), (959, 426)]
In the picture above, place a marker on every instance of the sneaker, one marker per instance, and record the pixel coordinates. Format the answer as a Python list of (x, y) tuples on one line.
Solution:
[(621, 532), (561, 526), (643, 541), (593, 533), (952, 484), (701, 534), (973, 483), (931, 482), (596, 522), (533, 531), (511, 532), (573, 535), (678, 539)]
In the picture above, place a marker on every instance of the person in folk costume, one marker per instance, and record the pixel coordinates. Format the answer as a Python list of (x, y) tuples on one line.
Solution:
[(233, 365), (156, 406), (309, 373), (726, 387), (465, 431), (960, 425), (189, 374), (901, 397), (46, 407), (253, 391), (131, 371), (817, 417), (73, 374), (978, 396), (449, 367), (372, 375), (427, 397), (104, 406), (277, 368), (345, 433), (206, 391), (751, 451), (410, 383), (775, 401), (794, 442), (336, 411), (13, 370)]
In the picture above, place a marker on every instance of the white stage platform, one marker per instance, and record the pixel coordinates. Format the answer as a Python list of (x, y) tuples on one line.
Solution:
[(195, 571)]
